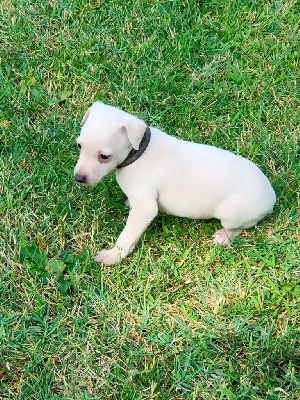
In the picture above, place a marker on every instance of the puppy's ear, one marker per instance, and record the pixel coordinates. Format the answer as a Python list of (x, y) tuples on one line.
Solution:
[(134, 128), (85, 117)]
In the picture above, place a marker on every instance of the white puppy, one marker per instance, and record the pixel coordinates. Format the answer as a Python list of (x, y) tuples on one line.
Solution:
[(160, 172)]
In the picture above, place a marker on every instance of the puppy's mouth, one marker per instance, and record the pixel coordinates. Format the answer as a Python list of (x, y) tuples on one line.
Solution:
[(87, 180), (82, 179)]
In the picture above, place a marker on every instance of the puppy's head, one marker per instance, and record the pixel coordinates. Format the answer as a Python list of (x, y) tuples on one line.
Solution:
[(106, 138)]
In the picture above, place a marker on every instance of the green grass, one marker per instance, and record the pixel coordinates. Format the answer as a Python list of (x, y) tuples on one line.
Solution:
[(179, 319)]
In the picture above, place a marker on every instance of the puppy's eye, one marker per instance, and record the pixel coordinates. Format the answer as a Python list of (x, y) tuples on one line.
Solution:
[(79, 146), (103, 157)]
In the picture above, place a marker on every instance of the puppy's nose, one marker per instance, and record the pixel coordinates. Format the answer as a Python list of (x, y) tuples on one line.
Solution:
[(80, 178)]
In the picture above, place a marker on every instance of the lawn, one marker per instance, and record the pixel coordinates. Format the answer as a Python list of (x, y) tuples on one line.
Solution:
[(179, 318)]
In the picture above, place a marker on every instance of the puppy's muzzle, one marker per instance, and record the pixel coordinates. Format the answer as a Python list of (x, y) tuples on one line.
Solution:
[(80, 178)]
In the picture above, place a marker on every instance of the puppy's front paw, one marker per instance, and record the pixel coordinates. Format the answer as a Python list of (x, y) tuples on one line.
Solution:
[(127, 203), (108, 257)]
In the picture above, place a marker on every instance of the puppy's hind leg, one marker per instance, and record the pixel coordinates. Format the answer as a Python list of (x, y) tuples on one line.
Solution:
[(234, 219), (223, 236)]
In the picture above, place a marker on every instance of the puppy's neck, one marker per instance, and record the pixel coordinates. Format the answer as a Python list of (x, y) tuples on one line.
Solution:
[(136, 154)]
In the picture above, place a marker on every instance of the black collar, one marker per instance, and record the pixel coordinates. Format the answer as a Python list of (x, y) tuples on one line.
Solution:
[(135, 154)]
